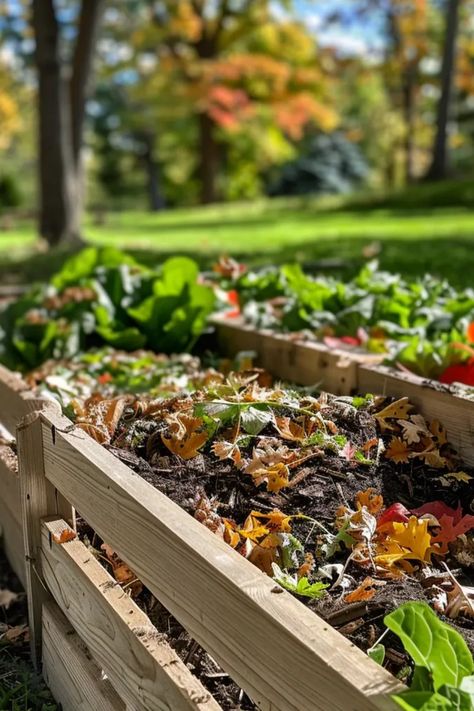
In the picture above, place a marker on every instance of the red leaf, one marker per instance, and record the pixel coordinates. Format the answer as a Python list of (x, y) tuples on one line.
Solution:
[(439, 509), (459, 373), (396, 512), (450, 530), (470, 332)]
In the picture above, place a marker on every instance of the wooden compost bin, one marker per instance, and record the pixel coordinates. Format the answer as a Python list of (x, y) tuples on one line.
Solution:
[(282, 654), (291, 358)]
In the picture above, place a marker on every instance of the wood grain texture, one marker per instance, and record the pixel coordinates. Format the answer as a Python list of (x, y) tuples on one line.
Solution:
[(17, 400), (10, 518), (75, 680), (38, 499), (431, 398), (280, 652), (139, 662), (291, 359)]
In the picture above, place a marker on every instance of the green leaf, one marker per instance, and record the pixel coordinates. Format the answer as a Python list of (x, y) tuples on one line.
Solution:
[(254, 420), (460, 700), (377, 653), (422, 701), (300, 586), (431, 643), (467, 685), (334, 543)]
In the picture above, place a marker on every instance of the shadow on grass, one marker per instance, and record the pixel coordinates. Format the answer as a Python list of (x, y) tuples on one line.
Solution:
[(451, 257)]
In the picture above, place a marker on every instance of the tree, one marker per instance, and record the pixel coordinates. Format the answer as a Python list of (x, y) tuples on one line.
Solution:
[(440, 156), (61, 110)]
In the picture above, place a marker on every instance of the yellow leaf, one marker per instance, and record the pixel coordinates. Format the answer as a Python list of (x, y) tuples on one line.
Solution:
[(413, 537), (458, 476), (439, 433), (398, 410), (397, 451), (276, 521)]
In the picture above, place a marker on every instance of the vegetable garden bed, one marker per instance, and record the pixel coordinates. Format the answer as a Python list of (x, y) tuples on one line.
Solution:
[(348, 372), (294, 653), (297, 660)]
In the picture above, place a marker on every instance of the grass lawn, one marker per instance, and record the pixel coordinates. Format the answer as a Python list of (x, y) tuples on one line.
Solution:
[(428, 228)]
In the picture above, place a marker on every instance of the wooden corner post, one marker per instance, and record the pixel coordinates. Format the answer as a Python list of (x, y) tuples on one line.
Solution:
[(38, 499)]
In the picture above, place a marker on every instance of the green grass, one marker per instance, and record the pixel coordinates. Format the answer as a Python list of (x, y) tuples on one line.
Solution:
[(425, 228)]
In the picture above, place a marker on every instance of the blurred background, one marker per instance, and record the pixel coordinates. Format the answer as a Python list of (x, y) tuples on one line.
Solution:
[(322, 132)]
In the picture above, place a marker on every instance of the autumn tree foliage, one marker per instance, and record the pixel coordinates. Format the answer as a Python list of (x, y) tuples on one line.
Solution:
[(230, 65)]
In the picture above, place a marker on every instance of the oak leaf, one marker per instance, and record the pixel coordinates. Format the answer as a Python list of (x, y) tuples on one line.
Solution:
[(398, 410), (451, 521), (413, 428), (397, 451)]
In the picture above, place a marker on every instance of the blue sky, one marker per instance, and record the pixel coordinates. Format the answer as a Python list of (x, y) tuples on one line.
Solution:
[(352, 35)]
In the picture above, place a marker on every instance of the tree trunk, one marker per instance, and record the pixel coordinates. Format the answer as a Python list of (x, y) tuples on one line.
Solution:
[(409, 119), (440, 158), (56, 167), (156, 200), (61, 107), (208, 159)]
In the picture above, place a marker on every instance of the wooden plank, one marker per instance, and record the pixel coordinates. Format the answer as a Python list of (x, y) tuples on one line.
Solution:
[(38, 499), (10, 515), (293, 359), (17, 400), (432, 399), (139, 662), (75, 680), (280, 652)]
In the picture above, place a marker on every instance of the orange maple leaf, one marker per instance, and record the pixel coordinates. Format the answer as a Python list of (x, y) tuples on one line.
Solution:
[(66, 535), (365, 591), (397, 451), (370, 499)]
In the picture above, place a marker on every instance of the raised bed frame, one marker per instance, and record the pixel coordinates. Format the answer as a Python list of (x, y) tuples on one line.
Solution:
[(347, 373), (82, 624)]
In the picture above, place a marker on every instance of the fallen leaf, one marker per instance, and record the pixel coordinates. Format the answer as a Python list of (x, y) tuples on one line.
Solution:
[(66, 535), (395, 512), (371, 500), (457, 476), (185, 436), (413, 537), (349, 451), (227, 450), (276, 521), (13, 633), (431, 457), (397, 451), (439, 433), (413, 428), (7, 597), (289, 429), (370, 444), (365, 591), (398, 410)]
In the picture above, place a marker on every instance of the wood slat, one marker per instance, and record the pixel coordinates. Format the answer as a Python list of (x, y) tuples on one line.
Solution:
[(280, 652), (10, 518), (294, 360), (75, 680), (139, 662), (16, 400), (432, 399)]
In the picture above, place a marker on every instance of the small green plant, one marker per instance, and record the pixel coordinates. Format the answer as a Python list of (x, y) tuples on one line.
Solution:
[(443, 675), (299, 586)]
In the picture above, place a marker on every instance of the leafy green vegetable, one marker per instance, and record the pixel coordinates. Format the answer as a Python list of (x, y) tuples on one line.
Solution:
[(443, 663), (377, 653), (102, 296)]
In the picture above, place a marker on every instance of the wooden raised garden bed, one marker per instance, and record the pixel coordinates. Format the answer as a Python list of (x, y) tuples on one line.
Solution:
[(293, 359), (345, 373), (297, 661)]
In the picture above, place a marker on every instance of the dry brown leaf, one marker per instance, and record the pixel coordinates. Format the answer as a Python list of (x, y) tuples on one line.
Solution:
[(14, 633), (460, 600), (307, 567), (413, 428), (97, 432), (289, 429), (185, 436), (67, 534), (439, 433), (227, 450), (397, 451), (431, 457), (398, 410)]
